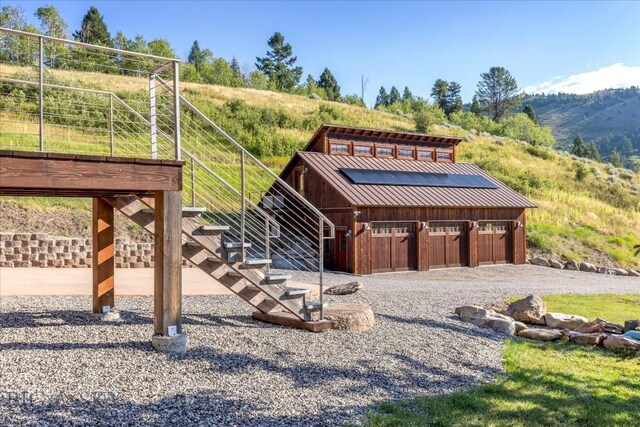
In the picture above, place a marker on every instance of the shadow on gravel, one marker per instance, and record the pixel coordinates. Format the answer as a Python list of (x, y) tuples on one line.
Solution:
[(32, 319), (210, 408), (64, 346)]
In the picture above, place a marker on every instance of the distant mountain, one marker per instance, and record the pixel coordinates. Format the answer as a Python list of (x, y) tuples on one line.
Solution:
[(610, 117)]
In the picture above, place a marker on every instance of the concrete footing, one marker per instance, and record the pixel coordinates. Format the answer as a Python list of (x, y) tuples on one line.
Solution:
[(165, 344)]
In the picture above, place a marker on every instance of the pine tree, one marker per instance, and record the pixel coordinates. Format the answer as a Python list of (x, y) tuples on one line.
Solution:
[(475, 107), (394, 95), (528, 110), (439, 93), (93, 29), (235, 66), (453, 99), (614, 159), (330, 85), (497, 92), (578, 148), (407, 95), (382, 100), (279, 64), (593, 153), (197, 57)]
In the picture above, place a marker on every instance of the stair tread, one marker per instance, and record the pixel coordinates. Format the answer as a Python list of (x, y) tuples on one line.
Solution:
[(257, 261), (314, 305), (236, 245), (277, 276), (296, 291), (214, 228)]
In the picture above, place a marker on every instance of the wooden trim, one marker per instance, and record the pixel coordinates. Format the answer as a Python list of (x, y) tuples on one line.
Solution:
[(103, 251)]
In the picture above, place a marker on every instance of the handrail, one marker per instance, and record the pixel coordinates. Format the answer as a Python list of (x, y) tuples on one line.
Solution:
[(226, 136), (86, 45)]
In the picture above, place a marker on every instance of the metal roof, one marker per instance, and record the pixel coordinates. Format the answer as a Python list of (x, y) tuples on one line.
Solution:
[(328, 166)]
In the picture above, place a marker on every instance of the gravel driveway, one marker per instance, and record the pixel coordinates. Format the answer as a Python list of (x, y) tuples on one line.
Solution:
[(59, 366)]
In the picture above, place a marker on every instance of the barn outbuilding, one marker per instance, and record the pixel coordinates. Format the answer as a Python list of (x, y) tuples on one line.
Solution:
[(401, 202)]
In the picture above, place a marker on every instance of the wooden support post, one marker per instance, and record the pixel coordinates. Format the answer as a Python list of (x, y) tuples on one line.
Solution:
[(473, 243), (168, 262), (103, 255)]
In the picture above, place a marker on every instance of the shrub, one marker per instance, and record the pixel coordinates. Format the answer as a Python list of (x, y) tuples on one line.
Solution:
[(581, 172), (519, 126)]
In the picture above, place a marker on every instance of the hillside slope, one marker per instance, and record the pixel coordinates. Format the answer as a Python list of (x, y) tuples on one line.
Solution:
[(586, 210), (610, 117)]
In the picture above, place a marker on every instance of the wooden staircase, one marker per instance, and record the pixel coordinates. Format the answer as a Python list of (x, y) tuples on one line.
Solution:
[(206, 247)]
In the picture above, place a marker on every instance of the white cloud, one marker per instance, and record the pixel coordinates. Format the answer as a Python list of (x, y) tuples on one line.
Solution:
[(613, 76)]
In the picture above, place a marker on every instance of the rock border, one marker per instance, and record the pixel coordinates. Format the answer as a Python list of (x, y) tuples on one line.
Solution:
[(586, 267)]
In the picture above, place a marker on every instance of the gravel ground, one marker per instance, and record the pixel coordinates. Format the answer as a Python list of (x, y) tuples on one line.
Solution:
[(61, 367)]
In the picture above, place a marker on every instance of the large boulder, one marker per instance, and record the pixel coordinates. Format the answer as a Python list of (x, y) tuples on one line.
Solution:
[(542, 262), (528, 310), (489, 319), (591, 327), (520, 326), (632, 325), (611, 328), (350, 317), (345, 289), (619, 271), (564, 321), (572, 265), (541, 334), (621, 343), (586, 339), (632, 273), (554, 263), (588, 267)]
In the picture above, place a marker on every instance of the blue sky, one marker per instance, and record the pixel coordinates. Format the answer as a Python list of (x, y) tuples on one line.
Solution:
[(546, 45)]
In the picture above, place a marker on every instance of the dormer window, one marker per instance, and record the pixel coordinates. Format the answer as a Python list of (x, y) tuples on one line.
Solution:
[(405, 153), (425, 155), (362, 150), (384, 152), (444, 156), (339, 149)]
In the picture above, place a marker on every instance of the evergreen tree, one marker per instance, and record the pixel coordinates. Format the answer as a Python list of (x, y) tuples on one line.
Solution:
[(279, 64), (439, 93), (453, 99), (394, 95), (382, 100), (330, 85), (592, 152), (197, 57), (235, 66), (93, 29), (475, 107), (528, 110), (497, 92), (578, 148), (407, 95), (614, 159)]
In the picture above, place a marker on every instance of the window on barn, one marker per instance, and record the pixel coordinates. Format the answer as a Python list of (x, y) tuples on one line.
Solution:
[(485, 227), (425, 155), (502, 226), (437, 227), (381, 228), (384, 152), (363, 150), (339, 149), (407, 228), (444, 156), (405, 152)]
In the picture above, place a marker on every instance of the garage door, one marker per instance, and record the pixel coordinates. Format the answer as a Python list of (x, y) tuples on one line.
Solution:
[(448, 244), (495, 242), (393, 247)]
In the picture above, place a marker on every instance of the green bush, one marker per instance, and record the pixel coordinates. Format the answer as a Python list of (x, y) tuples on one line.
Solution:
[(521, 127)]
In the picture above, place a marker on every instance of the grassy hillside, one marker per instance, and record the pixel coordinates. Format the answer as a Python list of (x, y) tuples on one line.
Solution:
[(586, 210), (610, 117)]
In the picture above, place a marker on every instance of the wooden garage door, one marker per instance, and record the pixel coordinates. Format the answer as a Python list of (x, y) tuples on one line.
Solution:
[(393, 247), (448, 244), (495, 242)]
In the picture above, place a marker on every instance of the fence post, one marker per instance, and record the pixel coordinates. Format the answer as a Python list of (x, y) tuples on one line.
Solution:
[(193, 184), (41, 106), (321, 265), (152, 116), (176, 108), (111, 144), (267, 241), (242, 203)]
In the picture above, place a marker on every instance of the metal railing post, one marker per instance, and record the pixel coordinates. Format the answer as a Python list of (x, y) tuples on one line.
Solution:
[(267, 241), (152, 116), (321, 265), (111, 144), (242, 204), (41, 106), (176, 108), (193, 184)]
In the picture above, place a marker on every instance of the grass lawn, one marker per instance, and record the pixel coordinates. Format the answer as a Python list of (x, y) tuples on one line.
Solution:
[(547, 384)]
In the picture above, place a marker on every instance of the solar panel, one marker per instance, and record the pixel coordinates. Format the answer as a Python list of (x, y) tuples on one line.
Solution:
[(420, 179)]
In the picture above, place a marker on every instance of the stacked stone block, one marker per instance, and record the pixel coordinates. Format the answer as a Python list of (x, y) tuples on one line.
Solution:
[(42, 250)]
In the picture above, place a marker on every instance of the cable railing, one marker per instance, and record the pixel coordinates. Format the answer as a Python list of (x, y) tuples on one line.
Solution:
[(133, 109)]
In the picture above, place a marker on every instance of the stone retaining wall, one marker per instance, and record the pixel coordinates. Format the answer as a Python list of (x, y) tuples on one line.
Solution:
[(42, 250)]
